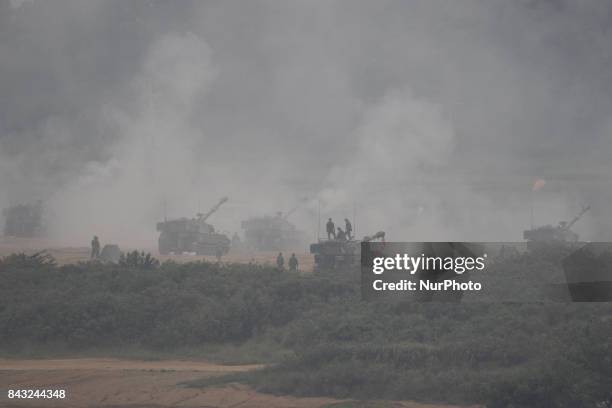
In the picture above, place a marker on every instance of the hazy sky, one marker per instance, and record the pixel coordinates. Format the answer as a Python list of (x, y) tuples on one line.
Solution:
[(430, 118)]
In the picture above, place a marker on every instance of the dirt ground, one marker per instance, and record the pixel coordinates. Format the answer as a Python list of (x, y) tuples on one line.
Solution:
[(132, 383), (67, 255)]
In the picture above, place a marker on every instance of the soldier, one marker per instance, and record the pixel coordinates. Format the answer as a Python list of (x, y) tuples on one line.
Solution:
[(95, 248), (340, 235), (280, 261), (293, 263), (348, 227), (331, 229)]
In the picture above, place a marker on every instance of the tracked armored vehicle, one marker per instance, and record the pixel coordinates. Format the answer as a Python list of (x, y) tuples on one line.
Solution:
[(24, 220), (548, 234), (337, 254), (193, 235), (272, 233)]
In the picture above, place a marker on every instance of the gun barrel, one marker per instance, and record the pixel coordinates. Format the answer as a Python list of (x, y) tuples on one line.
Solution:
[(214, 208), (576, 218), (378, 235), (292, 210)]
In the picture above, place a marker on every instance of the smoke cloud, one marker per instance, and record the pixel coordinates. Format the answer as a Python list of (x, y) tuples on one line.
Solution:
[(426, 119)]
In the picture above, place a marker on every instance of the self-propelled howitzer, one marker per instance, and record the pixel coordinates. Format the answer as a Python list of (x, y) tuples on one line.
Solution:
[(554, 234), (273, 233), (24, 220), (337, 253), (193, 235)]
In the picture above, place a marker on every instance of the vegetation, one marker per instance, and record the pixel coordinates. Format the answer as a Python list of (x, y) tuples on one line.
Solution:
[(138, 260), (319, 335)]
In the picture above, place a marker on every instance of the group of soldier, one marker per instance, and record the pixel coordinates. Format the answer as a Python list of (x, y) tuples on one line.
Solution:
[(293, 262), (340, 235)]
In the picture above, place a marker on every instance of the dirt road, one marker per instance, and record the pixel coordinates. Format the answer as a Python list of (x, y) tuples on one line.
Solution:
[(119, 383), (115, 383)]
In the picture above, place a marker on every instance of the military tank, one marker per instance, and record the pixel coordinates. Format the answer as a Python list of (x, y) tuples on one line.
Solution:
[(193, 235), (24, 220), (548, 234), (272, 233), (338, 253)]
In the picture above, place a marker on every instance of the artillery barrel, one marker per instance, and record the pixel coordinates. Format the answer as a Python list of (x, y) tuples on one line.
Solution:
[(576, 218), (213, 209), (378, 235)]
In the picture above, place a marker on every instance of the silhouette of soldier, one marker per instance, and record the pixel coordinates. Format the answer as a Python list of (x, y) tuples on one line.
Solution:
[(280, 261), (95, 248), (348, 227), (293, 263), (331, 229), (340, 235)]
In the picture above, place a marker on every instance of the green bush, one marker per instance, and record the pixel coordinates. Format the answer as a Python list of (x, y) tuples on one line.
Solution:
[(503, 355)]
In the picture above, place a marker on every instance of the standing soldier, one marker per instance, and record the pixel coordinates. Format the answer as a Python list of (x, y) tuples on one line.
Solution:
[(331, 229), (280, 261), (95, 248), (293, 263), (348, 227)]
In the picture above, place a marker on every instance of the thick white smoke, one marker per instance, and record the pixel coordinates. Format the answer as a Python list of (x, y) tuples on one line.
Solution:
[(400, 140), (426, 119), (153, 163), (403, 179)]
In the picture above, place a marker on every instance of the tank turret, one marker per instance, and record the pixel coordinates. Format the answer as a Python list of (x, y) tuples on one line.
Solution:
[(193, 235)]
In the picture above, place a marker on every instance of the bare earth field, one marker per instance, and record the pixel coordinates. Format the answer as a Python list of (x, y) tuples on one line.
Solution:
[(66, 255), (131, 383)]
